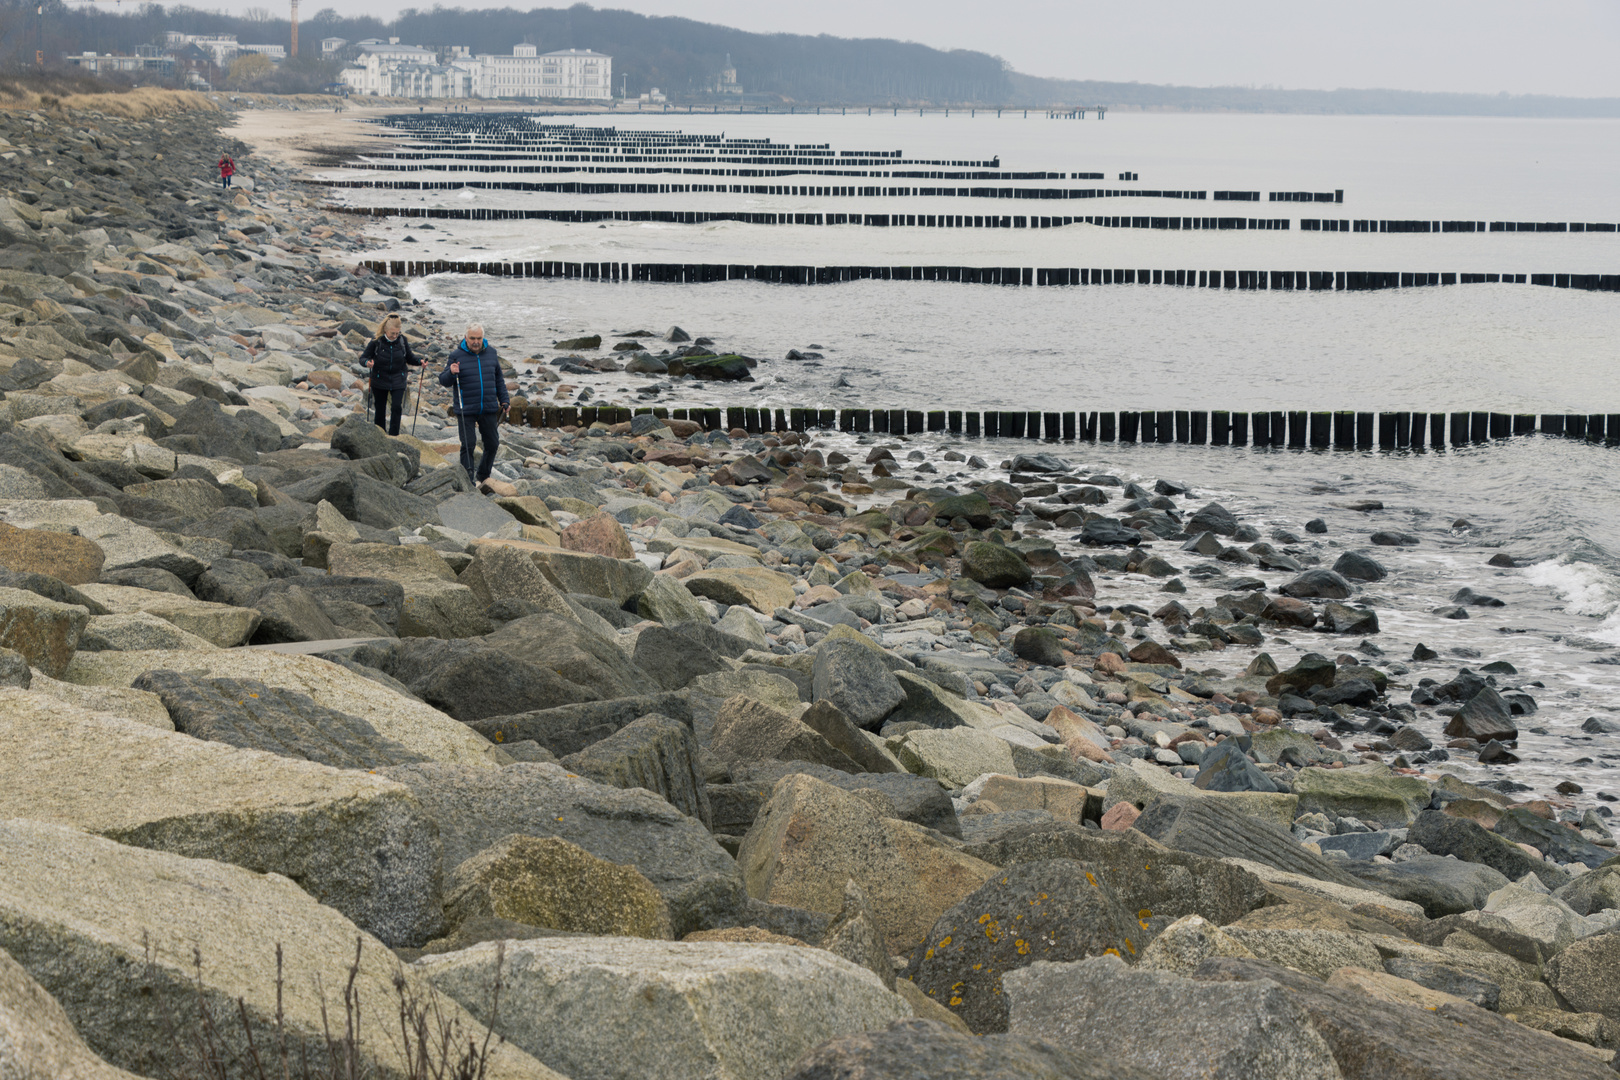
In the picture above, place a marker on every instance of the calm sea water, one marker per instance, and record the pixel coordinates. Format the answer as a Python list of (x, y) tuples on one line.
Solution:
[(1513, 348)]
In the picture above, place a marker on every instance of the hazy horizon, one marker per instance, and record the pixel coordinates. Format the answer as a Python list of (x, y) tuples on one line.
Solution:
[(1561, 47)]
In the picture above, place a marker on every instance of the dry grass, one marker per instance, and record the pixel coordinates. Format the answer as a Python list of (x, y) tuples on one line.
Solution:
[(89, 95)]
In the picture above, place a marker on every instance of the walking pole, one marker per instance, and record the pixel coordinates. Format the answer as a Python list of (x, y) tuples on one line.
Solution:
[(417, 411)]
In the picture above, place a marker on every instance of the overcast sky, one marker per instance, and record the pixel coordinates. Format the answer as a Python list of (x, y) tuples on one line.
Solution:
[(1489, 46)]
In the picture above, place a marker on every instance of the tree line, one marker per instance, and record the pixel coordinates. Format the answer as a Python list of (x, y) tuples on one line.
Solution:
[(682, 57)]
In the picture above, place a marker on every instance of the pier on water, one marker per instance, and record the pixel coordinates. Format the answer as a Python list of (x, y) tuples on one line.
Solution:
[(1285, 428)]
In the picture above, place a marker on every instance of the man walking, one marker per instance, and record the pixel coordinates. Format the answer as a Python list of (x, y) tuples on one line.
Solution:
[(480, 400)]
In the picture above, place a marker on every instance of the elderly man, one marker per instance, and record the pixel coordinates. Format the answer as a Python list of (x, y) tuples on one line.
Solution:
[(480, 400)]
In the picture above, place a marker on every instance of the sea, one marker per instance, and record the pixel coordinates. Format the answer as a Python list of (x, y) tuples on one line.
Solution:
[(1549, 502)]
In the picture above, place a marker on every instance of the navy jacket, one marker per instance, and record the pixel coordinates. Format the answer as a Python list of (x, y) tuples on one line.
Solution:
[(390, 362), (480, 388)]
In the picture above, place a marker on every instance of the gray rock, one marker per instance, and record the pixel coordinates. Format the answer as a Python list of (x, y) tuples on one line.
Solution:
[(1228, 768), (1168, 884), (251, 715), (1587, 974), (1228, 1031), (1442, 834), (111, 932), (1485, 716), (477, 807), (1448, 980), (43, 631), (218, 434), (918, 1049), (1359, 567), (472, 680), (826, 720), (1553, 839), (207, 800), (913, 798), (36, 1036), (231, 581), (1363, 845), (360, 498), (1054, 910), (749, 730), (568, 729), (1378, 1040), (474, 515), (655, 753), (681, 1011), (1317, 585), (574, 653), (854, 935), (671, 659), (854, 678), (338, 597), (1210, 827), (1593, 892)]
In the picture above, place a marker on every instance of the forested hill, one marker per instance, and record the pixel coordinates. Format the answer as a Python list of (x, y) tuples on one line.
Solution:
[(684, 57)]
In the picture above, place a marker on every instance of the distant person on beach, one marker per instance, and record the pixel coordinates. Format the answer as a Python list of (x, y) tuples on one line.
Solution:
[(480, 400), (227, 169), (390, 359)]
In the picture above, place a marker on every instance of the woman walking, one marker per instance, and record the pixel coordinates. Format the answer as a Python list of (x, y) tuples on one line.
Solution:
[(227, 169), (479, 390), (389, 357)]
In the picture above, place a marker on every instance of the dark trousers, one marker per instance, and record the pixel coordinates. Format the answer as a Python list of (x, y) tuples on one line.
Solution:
[(383, 400), (489, 426), (225, 181)]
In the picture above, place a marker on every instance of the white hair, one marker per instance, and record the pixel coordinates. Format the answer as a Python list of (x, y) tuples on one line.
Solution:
[(474, 326)]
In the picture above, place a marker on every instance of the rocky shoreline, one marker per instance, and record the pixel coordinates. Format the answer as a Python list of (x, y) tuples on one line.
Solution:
[(719, 755)]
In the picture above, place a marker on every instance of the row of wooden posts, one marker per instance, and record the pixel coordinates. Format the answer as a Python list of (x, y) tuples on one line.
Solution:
[(1289, 428), (700, 273)]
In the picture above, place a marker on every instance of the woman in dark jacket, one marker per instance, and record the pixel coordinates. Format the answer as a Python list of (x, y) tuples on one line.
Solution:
[(389, 357), (479, 397)]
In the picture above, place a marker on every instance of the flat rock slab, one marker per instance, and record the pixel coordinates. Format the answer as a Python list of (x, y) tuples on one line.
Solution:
[(355, 841), (674, 1010), (252, 715), (222, 625), (417, 726), (1218, 1032), (476, 808), (1378, 1040), (921, 1049), (315, 648), (79, 912), (45, 632)]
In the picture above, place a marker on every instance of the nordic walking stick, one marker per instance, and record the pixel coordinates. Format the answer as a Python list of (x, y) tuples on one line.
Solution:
[(417, 411)]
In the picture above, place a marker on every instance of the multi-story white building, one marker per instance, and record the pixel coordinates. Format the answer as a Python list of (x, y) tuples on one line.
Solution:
[(527, 73), (395, 70)]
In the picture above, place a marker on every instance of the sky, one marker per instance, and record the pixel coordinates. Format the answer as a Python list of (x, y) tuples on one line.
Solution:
[(1565, 47)]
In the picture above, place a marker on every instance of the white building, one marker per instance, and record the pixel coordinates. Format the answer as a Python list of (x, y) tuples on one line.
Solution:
[(106, 62), (390, 69), (331, 45), (528, 73), (278, 53), (220, 46)]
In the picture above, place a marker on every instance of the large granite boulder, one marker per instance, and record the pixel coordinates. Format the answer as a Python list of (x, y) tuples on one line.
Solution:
[(810, 838), (475, 808), (115, 934), (550, 883), (682, 1011), (210, 800), (414, 724)]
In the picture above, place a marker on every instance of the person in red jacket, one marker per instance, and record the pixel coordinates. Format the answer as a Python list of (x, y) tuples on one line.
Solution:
[(227, 169)]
